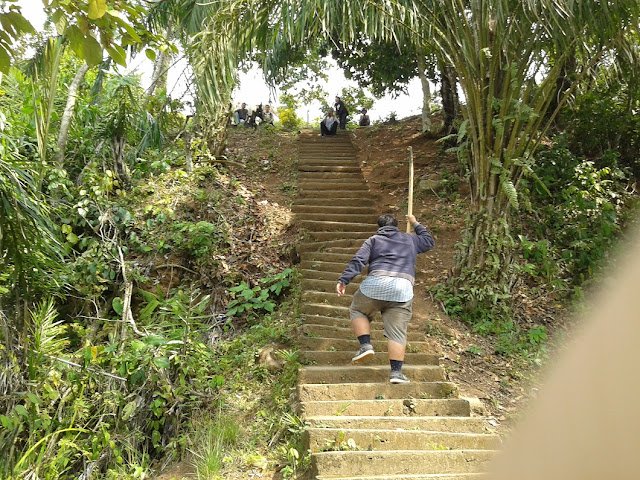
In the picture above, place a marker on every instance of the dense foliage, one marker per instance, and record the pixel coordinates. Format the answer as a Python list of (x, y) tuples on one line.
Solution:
[(117, 267)]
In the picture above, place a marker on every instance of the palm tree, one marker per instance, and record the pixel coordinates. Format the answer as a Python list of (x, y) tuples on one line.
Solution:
[(501, 51)]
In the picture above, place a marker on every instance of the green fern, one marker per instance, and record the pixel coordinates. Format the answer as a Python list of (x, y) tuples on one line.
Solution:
[(509, 189), (46, 336)]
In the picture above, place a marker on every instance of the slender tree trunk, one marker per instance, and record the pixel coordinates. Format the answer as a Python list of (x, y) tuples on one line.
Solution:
[(449, 95), (67, 115), (426, 94), (188, 153), (563, 83), (216, 131), (160, 69), (117, 144)]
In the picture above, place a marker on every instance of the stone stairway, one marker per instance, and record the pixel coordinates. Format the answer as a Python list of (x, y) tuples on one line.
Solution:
[(359, 426)]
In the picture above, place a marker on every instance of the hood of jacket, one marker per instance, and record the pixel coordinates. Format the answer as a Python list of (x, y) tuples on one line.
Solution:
[(387, 231)]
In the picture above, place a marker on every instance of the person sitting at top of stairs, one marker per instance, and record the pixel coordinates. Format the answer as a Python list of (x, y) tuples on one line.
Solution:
[(388, 288), (365, 121), (329, 126), (241, 115)]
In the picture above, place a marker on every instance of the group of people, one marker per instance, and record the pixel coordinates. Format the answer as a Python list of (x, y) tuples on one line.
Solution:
[(337, 116), (260, 115)]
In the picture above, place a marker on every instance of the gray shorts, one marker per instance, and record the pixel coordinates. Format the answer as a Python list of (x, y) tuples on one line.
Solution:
[(395, 315)]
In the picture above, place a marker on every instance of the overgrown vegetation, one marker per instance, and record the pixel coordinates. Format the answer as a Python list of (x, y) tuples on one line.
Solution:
[(119, 263)]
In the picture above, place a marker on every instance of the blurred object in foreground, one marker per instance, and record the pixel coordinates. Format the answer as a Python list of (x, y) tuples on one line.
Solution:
[(585, 423)]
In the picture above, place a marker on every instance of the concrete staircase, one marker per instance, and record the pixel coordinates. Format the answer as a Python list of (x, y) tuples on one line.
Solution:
[(359, 425)]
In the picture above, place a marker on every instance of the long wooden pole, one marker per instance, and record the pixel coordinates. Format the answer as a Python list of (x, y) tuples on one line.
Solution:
[(410, 203)]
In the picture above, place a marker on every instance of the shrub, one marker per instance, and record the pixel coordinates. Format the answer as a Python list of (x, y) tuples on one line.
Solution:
[(289, 119), (576, 216), (197, 239), (602, 121)]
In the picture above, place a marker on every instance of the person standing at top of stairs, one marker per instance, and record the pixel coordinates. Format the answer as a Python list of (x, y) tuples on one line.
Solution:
[(388, 288), (341, 112)]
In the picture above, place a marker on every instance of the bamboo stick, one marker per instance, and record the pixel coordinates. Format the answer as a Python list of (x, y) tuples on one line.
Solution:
[(410, 204)]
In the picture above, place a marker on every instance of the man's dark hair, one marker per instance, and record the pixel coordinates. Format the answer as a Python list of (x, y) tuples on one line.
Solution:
[(387, 220)]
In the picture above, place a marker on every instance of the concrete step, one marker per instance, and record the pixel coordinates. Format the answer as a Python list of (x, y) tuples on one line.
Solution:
[(338, 249), (352, 345), (314, 137), (326, 145), (329, 245), (330, 185), (328, 257), (329, 168), (325, 331), (335, 210), (324, 226), (330, 177), (375, 391), (327, 236), (312, 295), (328, 158), (343, 358), (400, 462), (324, 310), (320, 291), (333, 194), (453, 476), (338, 201), (367, 374), (346, 322), (320, 266), (433, 424), (320, 275), (410, 407), (333, 439), (328, 162), (328, 155)]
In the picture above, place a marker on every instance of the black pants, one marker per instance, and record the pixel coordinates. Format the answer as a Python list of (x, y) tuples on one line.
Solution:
[(343, 120), (326, 131)]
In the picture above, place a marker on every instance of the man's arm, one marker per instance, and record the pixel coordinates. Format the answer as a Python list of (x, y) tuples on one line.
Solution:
[(424, 240), (355, 266)]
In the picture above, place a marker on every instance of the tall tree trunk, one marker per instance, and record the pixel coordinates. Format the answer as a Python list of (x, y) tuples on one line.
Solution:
[(563, 83), (188, 157), (160, 69), (426, 94), (67, 115), (117, 145), (449, 93)]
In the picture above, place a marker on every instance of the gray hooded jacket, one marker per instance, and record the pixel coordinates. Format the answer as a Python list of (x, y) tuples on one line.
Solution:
[(389, 252)]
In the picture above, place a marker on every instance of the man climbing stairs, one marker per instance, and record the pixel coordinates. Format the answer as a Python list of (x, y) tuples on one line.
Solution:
[(361, 427)]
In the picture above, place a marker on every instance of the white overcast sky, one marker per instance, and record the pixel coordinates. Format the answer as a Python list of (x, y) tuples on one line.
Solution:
[(252, 88)]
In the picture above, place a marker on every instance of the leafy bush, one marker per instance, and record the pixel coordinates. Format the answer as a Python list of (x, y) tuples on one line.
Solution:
[(289, 119), (605, 120), (107, 402), (498, 322), (249, 300), (577, 217), (197, 239)]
